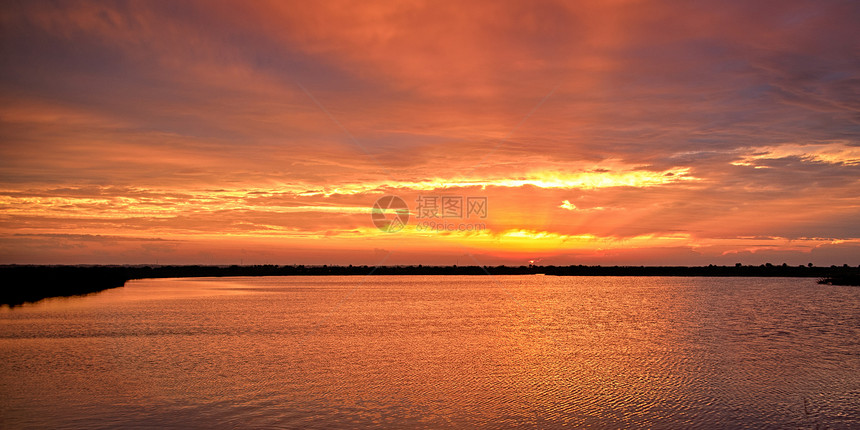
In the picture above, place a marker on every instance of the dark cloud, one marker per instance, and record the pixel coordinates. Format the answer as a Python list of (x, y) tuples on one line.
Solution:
[(191, 118)]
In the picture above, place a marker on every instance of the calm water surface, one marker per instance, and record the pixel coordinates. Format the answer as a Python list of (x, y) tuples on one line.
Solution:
[(445, 351)]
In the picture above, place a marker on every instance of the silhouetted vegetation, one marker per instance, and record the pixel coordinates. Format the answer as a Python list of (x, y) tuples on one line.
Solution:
[(32, 283), (853, 280)]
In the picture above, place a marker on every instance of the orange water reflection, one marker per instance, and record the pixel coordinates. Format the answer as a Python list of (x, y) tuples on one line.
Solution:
[(518, 351)]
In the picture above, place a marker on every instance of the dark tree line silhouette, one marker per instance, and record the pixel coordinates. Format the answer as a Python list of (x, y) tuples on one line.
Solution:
[(24, 283)]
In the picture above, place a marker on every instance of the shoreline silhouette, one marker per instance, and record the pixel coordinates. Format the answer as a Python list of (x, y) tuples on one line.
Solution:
[(31, 283)]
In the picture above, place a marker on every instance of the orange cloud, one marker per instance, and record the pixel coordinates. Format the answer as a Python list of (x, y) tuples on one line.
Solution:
[(597, 131)]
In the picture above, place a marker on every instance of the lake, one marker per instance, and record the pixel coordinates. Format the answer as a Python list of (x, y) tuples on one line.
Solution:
[(437, 352)]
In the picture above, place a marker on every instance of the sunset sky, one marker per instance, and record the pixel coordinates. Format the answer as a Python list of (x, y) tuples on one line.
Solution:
[(599, 132)]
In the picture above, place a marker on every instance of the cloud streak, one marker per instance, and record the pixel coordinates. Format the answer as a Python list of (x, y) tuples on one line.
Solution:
[(687, 128)]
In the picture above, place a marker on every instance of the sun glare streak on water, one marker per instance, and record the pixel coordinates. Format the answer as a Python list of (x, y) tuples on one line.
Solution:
[(444, 351)]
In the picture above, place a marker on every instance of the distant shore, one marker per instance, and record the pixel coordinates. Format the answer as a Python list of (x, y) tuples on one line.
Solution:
[(852, 280), (30, 283)]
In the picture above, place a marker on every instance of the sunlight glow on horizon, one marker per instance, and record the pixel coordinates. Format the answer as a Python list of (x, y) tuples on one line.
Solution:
[(598, 132)]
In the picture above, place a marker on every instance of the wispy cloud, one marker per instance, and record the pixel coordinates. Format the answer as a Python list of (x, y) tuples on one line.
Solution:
[(717, 121)]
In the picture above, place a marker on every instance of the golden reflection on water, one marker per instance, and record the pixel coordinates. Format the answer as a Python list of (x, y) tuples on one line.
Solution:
[(518, 351)]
